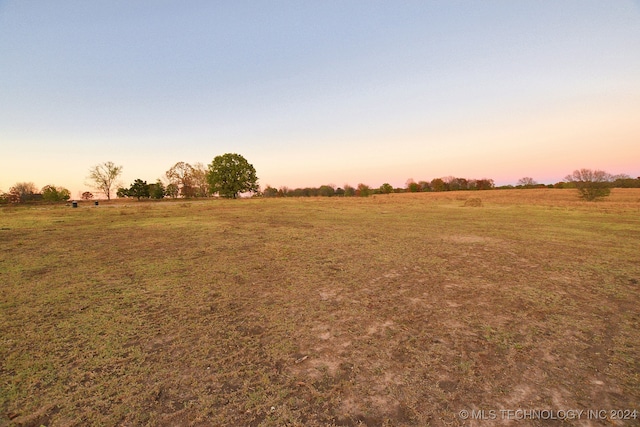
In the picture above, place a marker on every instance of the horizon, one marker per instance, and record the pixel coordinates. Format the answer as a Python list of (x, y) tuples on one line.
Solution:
[(97, 193), (319, 93)]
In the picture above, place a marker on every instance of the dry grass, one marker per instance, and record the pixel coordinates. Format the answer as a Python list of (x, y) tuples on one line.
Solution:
[(395, 310)]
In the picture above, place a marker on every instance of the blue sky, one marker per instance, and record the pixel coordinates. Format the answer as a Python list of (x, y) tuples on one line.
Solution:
[(317, 92)]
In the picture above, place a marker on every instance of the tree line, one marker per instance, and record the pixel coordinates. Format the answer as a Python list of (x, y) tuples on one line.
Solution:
[(23, 192), (364, 190), (230, 175), (591, 185), (227, 176)]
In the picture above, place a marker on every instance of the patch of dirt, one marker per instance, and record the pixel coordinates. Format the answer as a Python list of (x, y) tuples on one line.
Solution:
[(473, 202)]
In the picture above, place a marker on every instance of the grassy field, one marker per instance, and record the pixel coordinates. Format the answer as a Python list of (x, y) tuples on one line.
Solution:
[(398, 310)]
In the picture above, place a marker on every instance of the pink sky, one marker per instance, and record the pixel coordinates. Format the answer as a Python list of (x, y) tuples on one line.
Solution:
[(326, 92)]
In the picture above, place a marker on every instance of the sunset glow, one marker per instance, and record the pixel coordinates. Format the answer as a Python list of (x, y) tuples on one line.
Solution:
[(314, 93)]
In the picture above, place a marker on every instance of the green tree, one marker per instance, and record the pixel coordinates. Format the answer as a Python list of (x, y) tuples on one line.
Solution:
[(51, 193), (139, 189), (230, 175), (87, 195), (591, 185), (172, 190), (104, 176), (363, 190), (349, 191), (386, 188), (270, 191), (327, 190), (157, 190), (122, 192), (412, 186), (64, 194), (625, 181)]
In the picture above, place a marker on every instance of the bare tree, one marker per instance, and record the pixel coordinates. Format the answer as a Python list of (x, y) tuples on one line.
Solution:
[(181, 175), (23, 191), (527, 181), (592, 185), (104, 176), (199, 178)]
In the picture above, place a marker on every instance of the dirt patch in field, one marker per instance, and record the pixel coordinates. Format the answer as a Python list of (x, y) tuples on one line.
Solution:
[(473, 202)]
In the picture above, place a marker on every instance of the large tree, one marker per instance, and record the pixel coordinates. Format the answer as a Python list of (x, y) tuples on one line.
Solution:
[(200, 184), (592, 185), (527, 182), (157, 190), (139, 189), (386, 188), (349, 191), (181, 176), (327, 190), (438, 184), (51, 193), (484, 184), (104, 176), (23, 192), (230, 175)]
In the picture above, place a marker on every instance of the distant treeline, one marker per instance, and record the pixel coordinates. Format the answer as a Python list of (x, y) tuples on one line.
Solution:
[(435, 185), (24, 192), (363, 190), (186, 181)]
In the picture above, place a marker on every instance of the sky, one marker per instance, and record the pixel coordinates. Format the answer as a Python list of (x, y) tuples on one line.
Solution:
[(319, 91)]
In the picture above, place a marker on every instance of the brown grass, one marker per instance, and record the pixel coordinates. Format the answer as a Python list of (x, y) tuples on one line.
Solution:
[(396, 310)]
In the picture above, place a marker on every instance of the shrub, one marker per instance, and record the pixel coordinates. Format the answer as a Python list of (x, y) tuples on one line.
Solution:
[(591, 185)]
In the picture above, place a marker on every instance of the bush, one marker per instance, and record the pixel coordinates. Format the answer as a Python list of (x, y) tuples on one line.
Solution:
[(363, 190), (591, 185)]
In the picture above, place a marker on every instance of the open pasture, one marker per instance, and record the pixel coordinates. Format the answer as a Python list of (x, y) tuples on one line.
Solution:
[(396, 310)]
